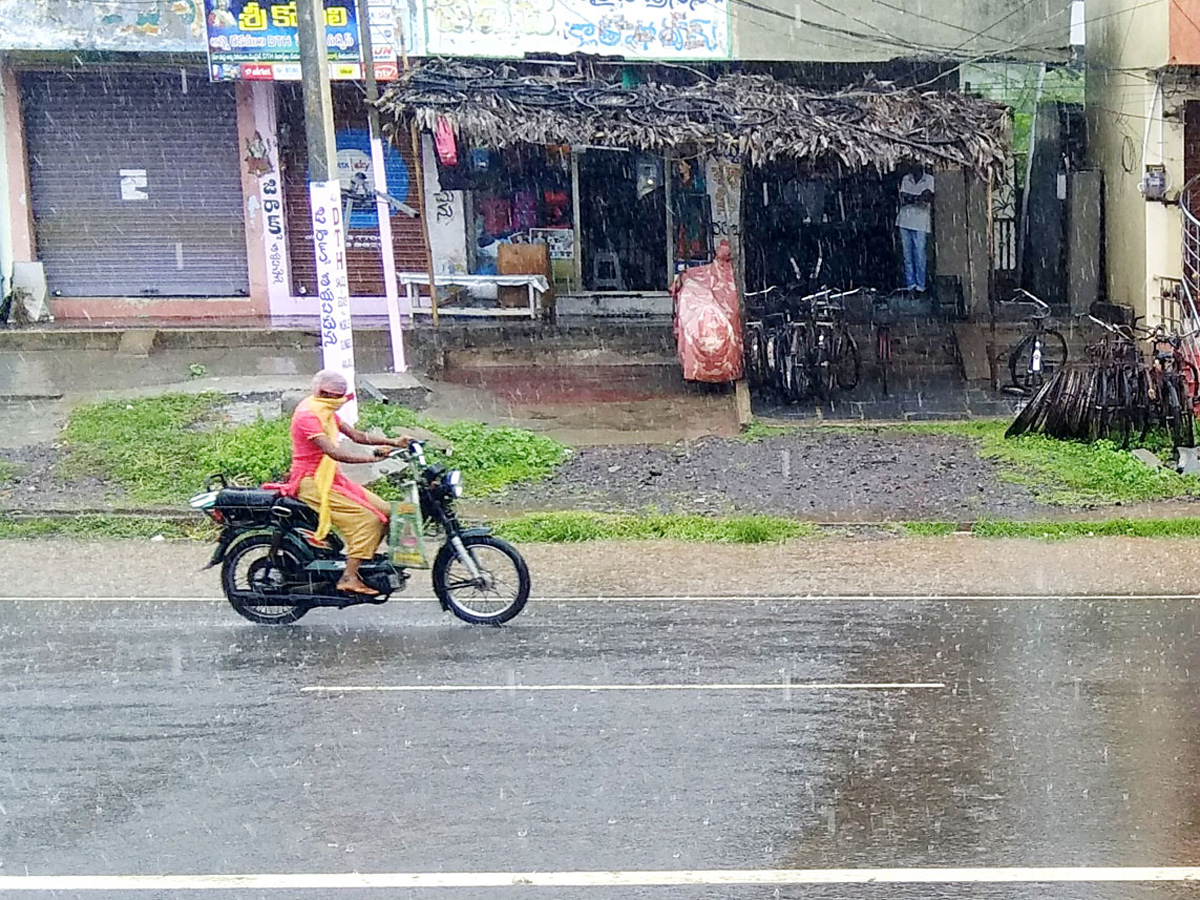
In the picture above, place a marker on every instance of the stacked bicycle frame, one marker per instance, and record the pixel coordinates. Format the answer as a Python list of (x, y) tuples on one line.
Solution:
[(1118, 394), (799, 347)]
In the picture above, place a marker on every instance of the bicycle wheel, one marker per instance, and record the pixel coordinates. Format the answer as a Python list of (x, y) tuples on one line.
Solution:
[(1119, 421), (1181, 434), (883, 354), (1036, 358), (847, 361), (1187, 417), (798, 378), (1054, 352), (753, 353)]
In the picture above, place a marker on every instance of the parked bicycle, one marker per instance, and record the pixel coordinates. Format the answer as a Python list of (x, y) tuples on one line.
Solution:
[(1117, 395), (798, 346), (882, 315), (1174, 377), (1038, 355), (834, 359)]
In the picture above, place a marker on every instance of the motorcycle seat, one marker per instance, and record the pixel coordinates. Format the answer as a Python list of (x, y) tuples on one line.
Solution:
[(244, 498)]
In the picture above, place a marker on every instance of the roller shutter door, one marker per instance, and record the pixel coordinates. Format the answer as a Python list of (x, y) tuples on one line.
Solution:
[(135, 183)]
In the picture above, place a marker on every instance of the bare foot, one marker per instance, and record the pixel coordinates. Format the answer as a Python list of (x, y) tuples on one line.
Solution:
[(356, 586)]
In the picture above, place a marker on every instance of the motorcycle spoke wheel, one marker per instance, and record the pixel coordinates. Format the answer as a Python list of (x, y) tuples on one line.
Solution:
[(257, 586), (497, 595)]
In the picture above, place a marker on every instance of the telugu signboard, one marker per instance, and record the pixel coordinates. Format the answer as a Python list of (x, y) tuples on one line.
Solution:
[(257, 40), (634, 29), (333, 284)]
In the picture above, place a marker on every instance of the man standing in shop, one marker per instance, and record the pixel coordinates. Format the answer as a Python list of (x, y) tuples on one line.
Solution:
[(915, 221)]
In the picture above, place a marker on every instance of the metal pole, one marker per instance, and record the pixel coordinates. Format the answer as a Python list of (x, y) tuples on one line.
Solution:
[(383, 210), (577, 220), (418, 157), (324, 189), (669, 196)]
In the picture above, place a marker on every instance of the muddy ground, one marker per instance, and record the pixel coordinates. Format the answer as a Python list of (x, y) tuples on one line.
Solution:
[(836, 476), (826, 475)]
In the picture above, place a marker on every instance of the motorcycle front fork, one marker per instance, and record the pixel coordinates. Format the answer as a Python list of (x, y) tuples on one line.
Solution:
[(460, 550)]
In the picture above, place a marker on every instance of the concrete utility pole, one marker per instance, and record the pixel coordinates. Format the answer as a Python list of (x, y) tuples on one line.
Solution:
[(325, 194), (318, 97)]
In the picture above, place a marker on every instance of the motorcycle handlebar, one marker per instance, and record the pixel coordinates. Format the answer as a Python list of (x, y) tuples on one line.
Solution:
[(414, 450)]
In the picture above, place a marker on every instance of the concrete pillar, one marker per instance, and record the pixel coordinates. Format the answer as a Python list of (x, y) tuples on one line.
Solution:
[(262, 196), (978, 282), (445, 215), (16, 214)]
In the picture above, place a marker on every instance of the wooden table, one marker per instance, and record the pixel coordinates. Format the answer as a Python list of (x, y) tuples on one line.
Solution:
[(536, 284)]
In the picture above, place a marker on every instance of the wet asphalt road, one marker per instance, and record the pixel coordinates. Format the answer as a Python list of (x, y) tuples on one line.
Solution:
[(172, 738)]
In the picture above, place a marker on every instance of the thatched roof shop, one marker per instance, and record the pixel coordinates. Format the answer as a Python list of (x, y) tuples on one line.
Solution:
[(755, 118)]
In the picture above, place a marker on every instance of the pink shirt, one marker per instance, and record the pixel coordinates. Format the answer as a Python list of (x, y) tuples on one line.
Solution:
[(306, 456)]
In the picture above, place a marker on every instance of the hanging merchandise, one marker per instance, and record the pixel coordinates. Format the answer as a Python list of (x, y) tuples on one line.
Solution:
[(497, 215), (557, 201), (447, 146), (524, 210), (481, 159)]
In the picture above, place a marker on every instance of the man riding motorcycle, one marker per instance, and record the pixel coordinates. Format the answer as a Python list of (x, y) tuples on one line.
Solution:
[(358, 514)]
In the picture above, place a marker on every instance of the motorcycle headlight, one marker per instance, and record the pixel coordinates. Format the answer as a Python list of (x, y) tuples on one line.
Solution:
[(454, 482)]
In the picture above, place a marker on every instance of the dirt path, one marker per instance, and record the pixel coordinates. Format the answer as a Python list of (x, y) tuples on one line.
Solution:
[(840, 475), (819, 566)]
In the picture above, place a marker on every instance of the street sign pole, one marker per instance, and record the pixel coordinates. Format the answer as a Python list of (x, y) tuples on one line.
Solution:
[(382, 207), (324, 187)]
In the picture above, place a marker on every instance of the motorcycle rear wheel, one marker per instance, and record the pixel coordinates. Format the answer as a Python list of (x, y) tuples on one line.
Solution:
[(498, 596), (250, 577)]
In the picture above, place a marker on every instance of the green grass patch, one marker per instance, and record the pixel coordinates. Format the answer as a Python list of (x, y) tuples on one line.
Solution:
[(575, 527), (1141, 528), (758, 431), (159, 450), (1067, 473), (928, 529), (8, 472), (110, 527), (490, 457)]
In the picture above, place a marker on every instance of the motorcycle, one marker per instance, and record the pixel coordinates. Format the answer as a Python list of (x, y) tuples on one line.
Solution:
[(274, 569)]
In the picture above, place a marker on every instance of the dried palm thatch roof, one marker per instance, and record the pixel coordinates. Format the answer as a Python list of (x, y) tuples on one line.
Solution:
[(755, 118)]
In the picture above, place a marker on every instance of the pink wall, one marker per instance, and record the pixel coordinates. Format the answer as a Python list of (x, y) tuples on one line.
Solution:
[(18, 173), (1185, 32), (251, 202)]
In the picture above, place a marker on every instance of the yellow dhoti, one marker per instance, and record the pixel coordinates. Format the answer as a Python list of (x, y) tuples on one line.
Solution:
[(360, 528)]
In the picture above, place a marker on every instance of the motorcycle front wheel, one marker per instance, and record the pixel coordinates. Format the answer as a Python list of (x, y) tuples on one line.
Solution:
[(496, 595)]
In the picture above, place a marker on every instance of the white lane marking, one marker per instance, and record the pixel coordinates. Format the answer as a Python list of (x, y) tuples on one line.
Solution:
[(602, 688), (418, 880), (686, 598)]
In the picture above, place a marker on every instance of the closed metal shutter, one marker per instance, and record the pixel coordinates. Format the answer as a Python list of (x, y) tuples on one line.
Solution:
[(135, 183)]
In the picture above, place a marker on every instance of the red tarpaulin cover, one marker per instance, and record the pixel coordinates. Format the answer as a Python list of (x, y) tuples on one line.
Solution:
[(708, 321)]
